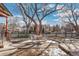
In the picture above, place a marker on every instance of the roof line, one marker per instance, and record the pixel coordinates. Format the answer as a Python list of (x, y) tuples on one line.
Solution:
[(7, 9)]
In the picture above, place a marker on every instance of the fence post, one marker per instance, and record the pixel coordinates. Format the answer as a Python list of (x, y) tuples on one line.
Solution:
[(56, 34), (71, 34), (65, 34), (18, 34)]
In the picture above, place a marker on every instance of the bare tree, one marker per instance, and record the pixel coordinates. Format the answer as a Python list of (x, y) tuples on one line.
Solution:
[(37, 12), (70, 15), (25, 19)]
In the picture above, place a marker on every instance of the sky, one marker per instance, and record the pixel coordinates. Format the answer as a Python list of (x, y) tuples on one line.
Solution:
[(51, 19)]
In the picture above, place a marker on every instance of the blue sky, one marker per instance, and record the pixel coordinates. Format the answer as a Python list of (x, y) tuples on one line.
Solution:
[(12, 7)]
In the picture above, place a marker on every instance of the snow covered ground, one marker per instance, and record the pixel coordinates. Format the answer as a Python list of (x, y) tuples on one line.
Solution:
[(36, 47)]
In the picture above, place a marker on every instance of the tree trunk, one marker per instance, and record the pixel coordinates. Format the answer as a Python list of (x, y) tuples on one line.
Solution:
[(27, 30), (38, 29)]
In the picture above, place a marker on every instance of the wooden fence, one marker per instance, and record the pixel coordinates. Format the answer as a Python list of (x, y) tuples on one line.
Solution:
[(65, 35), (22, 34)]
